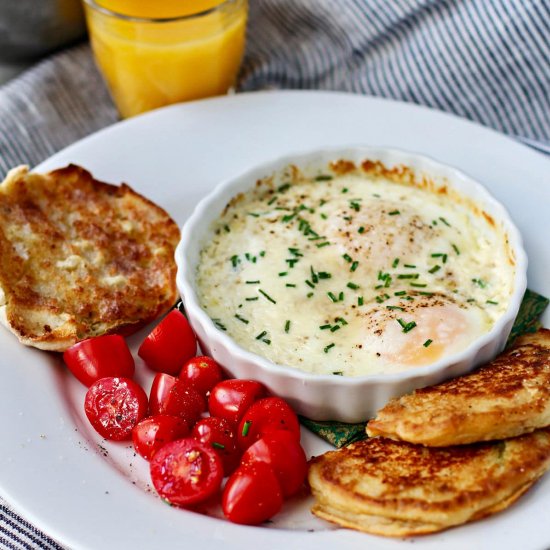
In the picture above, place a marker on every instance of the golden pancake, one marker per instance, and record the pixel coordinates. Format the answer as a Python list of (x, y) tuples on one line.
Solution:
[(81, 258), (508, 397), (395, 488)]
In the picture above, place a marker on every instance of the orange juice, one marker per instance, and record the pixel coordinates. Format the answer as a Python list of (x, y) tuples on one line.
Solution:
[(153, 53)]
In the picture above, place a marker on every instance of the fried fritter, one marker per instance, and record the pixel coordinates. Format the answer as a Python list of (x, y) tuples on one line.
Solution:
[(394, 488), (507, 397), (81, 258)]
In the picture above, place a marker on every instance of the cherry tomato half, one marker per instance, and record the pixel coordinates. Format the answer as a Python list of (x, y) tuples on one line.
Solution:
[(252, 494), (264, 416), (175, 397), (219, 434), (231, 398), (114, 406), (170, 344), (281, 451), (152, 433), (186, 472), (203, 372), (95, 358)]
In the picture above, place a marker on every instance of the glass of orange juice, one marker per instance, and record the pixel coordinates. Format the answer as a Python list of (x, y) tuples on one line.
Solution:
[(157, 52)]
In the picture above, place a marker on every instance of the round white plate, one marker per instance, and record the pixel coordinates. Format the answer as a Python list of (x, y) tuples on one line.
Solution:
[(88, 493)]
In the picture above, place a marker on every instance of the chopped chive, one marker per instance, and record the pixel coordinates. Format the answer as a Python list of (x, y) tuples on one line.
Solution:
[(406, 326), (252, 282), (323, 177), (320, 245), (479, 282), (394, 213), (347, 218), (254, 298), (295, 252), (354, 266), (335, 328), (360, 300), (353, 286), (226, 227), (253, 214), (327, 348), (261, 335), (219, 324), (288, 217), (427, 343), (426, 293), (409, 266), (262, 253), (361, 230), (310, 284), (234, 260), (440, 255), (246, 427), (408, 276), (400, 293), (345, 190), (347, 257), (341, 320), (287, 326), (324, 327), (283, 273), (445, 221), (324, 275), (377, 287), (355, 205), (267, 296), (332, 296), (324, 216), (338, 373), (341, 297), (283, 188), (470, 300), (266, 341), (395, 262), (434, 269), (290, 285), (242, 319), (291, 262), (314, 277), (455, 248), (271, 201), (309, 294), (217, 445), (419, 285), (396, 307), (387, 282), (492, 302)]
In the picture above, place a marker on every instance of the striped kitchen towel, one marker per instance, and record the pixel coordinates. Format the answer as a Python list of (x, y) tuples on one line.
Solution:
[(485, 60)]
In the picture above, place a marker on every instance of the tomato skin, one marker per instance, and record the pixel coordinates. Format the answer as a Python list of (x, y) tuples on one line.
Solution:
[(252, 494), (281, 451), (203, 372), (219, 434), (152, 433), (185, 472), (100, 357), (170, 344), (175, 397), (264, 416), (114, 406), (231, 398)]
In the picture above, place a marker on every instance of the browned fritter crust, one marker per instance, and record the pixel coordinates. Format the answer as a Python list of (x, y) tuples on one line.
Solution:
[(508, 397), (81, 258), (396, 488)]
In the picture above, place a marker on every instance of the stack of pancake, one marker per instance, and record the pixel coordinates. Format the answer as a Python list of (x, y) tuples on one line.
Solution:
[(445, 455)]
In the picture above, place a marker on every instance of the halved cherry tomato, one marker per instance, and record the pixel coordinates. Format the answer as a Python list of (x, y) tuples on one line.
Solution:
[(281, 451), (170, 344), (95, 358), (114, 406), (186, 472), (264, 416), (203, 372), (152, 433), (231, 398), (175, 397), (219, 434), (252, 494)]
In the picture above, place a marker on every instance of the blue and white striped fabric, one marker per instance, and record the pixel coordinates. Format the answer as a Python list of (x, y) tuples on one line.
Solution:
[(486, 60)]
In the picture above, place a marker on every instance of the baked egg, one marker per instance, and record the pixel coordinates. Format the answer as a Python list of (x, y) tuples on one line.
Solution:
[(355, 270)]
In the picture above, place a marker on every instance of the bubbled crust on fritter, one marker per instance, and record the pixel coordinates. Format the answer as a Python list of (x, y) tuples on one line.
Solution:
[(508, 397), (434, 487), (81, 258)]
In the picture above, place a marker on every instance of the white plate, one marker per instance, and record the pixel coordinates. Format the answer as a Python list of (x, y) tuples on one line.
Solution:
[(52, 467)]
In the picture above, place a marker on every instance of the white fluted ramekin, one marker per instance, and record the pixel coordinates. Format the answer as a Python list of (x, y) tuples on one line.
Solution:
[(326, 397)]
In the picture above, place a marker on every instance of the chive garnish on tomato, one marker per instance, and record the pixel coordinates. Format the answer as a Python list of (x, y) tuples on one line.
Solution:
[(246, 428)]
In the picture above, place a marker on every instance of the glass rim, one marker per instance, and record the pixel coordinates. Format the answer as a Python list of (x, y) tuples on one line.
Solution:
[(134, 19)]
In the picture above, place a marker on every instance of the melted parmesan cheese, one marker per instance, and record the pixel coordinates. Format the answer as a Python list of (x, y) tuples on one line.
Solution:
[(353, 274)]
